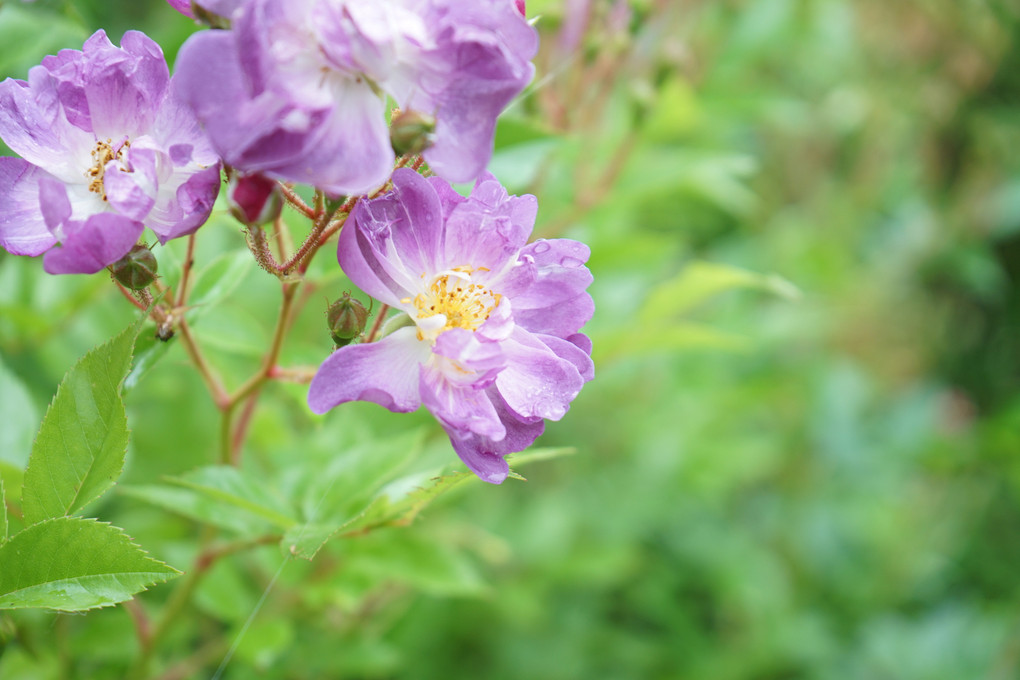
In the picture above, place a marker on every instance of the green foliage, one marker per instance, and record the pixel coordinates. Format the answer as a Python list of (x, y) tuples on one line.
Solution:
[(766, 484), (79, 451), (73, 564)]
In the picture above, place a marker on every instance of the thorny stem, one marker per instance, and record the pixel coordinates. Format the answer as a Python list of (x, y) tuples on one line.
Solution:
[(297, 201), (231, 443), (260, 249)]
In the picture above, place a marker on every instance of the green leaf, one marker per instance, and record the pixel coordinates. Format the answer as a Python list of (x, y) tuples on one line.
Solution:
[(229, 486), (398, 504), (149, 349), (199, 507), (222, 496), (79, 451), (73, 564)]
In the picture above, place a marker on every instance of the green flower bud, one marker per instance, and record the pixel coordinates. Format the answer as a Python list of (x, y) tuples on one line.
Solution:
[(411, 132), (137, 269), (346, 318)]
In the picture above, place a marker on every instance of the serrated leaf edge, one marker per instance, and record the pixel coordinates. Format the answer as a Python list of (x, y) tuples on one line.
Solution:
[(135, 328)]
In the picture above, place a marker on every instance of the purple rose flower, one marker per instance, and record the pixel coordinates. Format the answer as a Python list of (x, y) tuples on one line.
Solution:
[(492, 348), (297, 90), (107, 150)]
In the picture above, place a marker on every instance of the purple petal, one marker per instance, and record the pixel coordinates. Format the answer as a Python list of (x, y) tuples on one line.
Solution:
[(479, 64), (473, 362), (124, 86), (549, 272), (536, 382), (67, 68), (182, 6), (179, 212), (383, 372), (484, 456), (22, 228), (405, 226), (90, 246), (462, 409), (33, 126), (575, 354), (489, 228), (348, 151), (131, 190), (562, 319), (361, 264), (54, 204)]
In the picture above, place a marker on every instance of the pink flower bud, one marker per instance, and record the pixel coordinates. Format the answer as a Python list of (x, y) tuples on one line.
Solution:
[(254, 199)]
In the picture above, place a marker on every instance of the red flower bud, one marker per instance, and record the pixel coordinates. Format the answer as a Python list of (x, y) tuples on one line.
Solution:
[(254, 199)]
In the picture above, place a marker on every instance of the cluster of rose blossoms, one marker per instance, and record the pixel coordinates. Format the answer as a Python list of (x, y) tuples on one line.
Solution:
[(297, 91)]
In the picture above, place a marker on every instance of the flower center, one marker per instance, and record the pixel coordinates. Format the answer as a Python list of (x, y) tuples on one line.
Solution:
[(102, 154), (463, 303)]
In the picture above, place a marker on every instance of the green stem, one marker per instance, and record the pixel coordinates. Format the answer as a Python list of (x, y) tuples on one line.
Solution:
[(229, 443)]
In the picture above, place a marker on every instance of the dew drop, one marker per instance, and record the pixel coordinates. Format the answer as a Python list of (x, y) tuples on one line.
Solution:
[(570, 262), (541, 247)]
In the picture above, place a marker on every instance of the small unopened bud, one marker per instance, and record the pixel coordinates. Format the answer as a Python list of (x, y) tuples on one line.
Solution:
[(411, 132), (137, 269), (346, 318), (254, 199)]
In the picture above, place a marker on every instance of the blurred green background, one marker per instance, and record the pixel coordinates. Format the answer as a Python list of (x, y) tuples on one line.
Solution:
[(800, 457)]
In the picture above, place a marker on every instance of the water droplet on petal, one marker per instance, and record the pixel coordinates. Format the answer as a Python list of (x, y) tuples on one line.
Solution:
[(541, 247), (570, 262)]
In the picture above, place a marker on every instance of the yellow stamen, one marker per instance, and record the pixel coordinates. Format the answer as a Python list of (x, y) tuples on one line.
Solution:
[(464, 304), (102, 154)]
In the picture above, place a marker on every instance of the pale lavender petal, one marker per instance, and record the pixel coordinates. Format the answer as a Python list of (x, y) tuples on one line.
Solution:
[(484, 456), (66, 68), (460, 408), (346, 152), (405, 225), (448, 196), (241, 123), (54, 204), (124, 86), (551, 272), (22, 228), (582, 341), (182, 6), (361, 264), (537, 382), (489, 228), (32, 125), (131, 188), (478, 65), (561, 319), (179, 212), (579, 356), (474, 361), (383, 372), (90, 246)]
